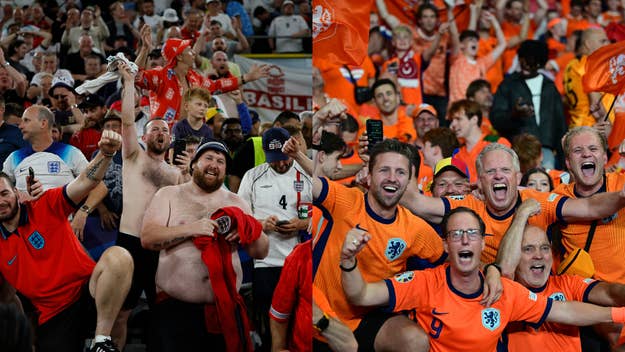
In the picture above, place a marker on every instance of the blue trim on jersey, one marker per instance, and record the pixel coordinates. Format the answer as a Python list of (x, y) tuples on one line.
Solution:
[(544, 316), (377, 217), (392, 298), (476, 294), (588, 289), (559, 209), (446, 204), (539, 289), (324, 192), (62, 150), (323, 240)]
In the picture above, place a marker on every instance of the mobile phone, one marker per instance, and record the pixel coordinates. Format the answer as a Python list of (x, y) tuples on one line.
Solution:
[(31, 174), (375, 133), (282, 222), (180, 146)]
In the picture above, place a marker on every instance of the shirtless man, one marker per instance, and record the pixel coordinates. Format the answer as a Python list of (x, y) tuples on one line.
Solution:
[(177, 216), (143, 173)]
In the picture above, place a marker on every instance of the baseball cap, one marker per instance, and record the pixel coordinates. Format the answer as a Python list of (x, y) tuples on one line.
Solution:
[(425, 107), (91, 101), (170, 15), (61, 81), (287, 2), (174, 47), (451, 163), (273, 140), (211, 145)]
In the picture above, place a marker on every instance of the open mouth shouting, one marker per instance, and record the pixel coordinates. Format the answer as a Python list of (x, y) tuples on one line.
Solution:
[(500, 190), (537, 268), (465, 256), (588, 169)]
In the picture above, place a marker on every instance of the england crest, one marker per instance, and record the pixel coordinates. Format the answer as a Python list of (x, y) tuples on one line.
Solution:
[(223, 224), (491, 318), (394, 248), (298, 186), (36, 240)]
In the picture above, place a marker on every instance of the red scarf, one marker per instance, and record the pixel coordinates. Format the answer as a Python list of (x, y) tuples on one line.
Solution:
[(231, 318)]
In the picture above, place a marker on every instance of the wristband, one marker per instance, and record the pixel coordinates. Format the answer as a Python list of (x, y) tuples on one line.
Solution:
[(109, 155), (242, 79), (494, 265), (322, 323), (349, 269), (618, 314)]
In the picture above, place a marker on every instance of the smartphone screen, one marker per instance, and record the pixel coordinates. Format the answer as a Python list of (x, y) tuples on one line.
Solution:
[(375, 133), (179, 146)]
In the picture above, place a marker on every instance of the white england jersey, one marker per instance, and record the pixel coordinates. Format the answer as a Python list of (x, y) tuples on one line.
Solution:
[(270, 193), (54, 167)]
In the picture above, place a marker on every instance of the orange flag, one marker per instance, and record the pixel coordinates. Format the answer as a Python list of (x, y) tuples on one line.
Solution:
[(605, 70), (341, 31)]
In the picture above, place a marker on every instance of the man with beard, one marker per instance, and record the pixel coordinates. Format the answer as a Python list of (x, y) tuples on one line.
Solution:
[(396, 235), (446, 298), (277, 191), (43, 260), (498, 174), (176, 217), (144, 173)]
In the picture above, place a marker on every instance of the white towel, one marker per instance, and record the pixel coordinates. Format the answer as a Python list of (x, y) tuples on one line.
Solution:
[(111, 74)]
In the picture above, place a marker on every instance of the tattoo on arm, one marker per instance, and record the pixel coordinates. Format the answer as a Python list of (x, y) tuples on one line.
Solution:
[(168, 243), (93, 170)]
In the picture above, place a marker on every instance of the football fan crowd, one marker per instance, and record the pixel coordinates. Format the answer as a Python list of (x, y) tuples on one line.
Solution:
[(488, 217), (144, 205)]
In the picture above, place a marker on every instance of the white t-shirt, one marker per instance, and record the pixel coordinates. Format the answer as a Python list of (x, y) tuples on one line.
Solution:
[(286, 26), (535, 85), (270, 193)]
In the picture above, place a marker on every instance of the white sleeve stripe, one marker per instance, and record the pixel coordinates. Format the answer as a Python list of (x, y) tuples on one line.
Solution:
[(278, 315)]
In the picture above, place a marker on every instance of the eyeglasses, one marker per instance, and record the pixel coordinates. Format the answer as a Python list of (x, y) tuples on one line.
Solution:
[(456, 235), (59, 96)]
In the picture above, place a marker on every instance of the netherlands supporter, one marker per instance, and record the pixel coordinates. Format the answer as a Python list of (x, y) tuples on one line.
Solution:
[(466, 121), (528, 255), (397, 235), (446, 299), (498, 174)]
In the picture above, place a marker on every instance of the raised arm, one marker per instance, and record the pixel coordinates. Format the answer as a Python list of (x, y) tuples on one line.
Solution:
[(509, 252), (129, 131), (242, 43), (358, 291), (501, 38), (146, 47), (93, 174)]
